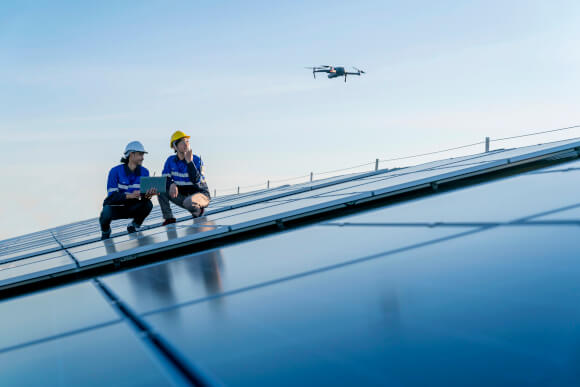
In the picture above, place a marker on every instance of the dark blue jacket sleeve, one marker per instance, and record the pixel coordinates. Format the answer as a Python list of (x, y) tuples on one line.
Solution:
[(114, 196), (196, 177), (193, 173), (167, 173)]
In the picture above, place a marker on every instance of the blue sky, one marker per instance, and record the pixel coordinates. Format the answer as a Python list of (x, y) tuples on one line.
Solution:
[(78, 81)]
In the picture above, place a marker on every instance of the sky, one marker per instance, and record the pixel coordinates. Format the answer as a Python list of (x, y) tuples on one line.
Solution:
[(79, 80)]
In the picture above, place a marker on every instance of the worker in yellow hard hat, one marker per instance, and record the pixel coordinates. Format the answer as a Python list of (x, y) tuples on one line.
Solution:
[(187, 186)]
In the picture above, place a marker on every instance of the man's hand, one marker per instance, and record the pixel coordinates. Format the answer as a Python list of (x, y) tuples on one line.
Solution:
[(133, 195), (189, 155), (152, 192), (173, 191)]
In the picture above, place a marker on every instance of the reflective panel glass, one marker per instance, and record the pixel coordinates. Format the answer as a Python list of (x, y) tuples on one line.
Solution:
[(258, 196), (238, 210), (498, 305), (139, 242), (439, 163), (52, 312), (249, 197), (352, 187), (88, 231), (94, 233), (264, 212), (7, 264), (27, 252), (108, 356), (506, 200), (35, 269), (561, 215), (286, 210), (260, 261), (26, 242), (518, 154), (570, 166)]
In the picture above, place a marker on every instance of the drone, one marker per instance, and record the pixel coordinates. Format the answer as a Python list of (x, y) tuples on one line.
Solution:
[(334, 72)]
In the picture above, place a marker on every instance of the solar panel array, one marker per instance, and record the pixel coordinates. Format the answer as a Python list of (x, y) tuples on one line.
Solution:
[(475, 285)]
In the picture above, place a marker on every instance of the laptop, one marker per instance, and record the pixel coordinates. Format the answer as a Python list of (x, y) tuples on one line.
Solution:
[(160, 183)]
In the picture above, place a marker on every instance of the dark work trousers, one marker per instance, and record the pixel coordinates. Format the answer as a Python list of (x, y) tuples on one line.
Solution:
[(138, 211), (192, 203)]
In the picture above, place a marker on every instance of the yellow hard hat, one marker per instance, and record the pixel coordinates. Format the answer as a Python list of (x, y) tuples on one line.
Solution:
[(178, 135)]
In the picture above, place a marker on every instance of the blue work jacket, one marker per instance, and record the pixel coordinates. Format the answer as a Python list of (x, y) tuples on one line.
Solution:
[(121, 181), (188, 177)]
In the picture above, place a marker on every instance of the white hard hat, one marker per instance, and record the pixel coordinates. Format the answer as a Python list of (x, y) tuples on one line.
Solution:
[(134, 146)]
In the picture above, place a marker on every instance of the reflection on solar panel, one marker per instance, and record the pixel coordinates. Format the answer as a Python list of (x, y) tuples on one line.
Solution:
[(444, 273)]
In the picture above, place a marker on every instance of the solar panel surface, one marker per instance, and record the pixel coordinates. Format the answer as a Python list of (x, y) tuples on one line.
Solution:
[(475, 285), (280, 204)]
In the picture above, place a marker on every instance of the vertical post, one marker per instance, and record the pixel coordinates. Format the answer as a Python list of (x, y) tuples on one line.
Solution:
[(311, 175), (214, 193), (486, 144), (238, 189), (376, 164), (268, 185)]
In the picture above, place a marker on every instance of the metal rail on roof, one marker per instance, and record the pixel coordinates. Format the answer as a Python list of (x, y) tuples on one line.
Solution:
[(487, 142)]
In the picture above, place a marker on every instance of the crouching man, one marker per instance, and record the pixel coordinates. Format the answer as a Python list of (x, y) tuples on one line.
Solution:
[(187, 186), (124, 200)]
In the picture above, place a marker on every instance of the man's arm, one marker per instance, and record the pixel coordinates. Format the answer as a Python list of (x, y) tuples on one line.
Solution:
[(170, 186), (167, 173), (113, 194), (193, 172)]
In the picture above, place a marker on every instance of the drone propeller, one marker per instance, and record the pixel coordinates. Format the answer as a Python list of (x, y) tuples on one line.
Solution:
[(313, 70), (318, 69)]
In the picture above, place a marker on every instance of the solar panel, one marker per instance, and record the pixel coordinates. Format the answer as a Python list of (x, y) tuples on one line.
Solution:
[(299, 202), (261, 213), (483, 278), (505, 200), (28, 251), (250, 215), (29, 268), (49, 314), (11, 262), (156, 238), (569, 214), (259, 262), (481, 302), (105, 356)]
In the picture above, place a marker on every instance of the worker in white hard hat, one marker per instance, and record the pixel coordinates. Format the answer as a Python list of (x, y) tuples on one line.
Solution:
[(124, 200), (185, 179)]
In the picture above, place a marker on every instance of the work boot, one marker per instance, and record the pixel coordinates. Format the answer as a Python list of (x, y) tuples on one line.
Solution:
[(196, 211), (132, 227), (105, 234), (169, 221)]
